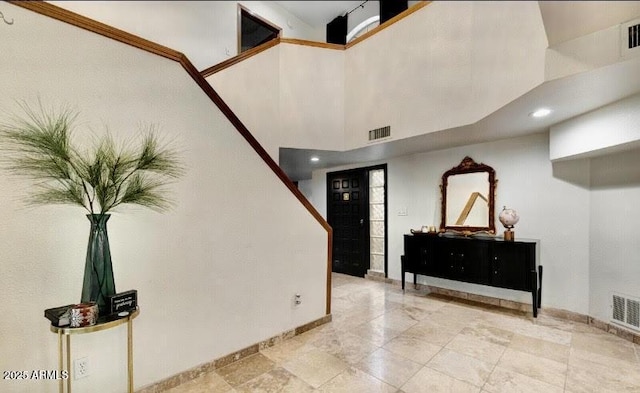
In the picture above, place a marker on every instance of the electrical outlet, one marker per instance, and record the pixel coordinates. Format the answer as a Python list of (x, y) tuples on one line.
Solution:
[(297, 299), (81, 368)]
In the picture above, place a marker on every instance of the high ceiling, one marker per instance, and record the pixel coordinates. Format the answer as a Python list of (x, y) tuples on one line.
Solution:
[(318, 13), (563, 20), (568, 97)]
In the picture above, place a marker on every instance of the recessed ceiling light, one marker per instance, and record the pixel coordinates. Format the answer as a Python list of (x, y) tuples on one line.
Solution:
[(542, 112), (315, 159)]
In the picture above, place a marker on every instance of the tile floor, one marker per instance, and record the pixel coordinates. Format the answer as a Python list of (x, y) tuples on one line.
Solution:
[(381, 340)]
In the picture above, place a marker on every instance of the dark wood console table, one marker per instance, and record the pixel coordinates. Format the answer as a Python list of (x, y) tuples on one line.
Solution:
[(485, 261)]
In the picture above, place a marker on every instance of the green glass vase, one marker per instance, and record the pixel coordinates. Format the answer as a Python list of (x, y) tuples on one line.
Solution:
[(98, 280)]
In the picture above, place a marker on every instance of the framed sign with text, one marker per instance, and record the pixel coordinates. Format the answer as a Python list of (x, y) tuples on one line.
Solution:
[(123, 301)]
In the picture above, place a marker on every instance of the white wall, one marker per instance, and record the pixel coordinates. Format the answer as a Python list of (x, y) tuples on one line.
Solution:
[(611, 135), (311, 90), (612, 127), (288, 96), (507, 53), (251, 88), (206, 31), (584, 53), (458, 62), (591, 15), (419, 66), (209, 279), (614, 247), (552, 209), (446, 65)]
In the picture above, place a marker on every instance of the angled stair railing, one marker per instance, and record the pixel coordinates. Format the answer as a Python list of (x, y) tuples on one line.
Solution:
[(105, 30), (261, 48)]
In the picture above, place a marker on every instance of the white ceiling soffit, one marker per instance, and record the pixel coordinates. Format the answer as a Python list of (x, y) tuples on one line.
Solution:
[(566, 20), (318, 13)]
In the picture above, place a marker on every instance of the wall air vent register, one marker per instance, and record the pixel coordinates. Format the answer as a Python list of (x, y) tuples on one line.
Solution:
[(630, 39), (634, 36), (626, 311), (379, 133)]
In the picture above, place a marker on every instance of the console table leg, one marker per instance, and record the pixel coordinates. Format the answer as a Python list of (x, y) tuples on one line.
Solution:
[(403, 272), (130, 355), (60, 362), (534, 293), (69, 362), (540, 286)]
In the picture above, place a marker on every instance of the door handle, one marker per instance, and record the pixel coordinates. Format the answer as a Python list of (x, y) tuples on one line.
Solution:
[(362, 222)]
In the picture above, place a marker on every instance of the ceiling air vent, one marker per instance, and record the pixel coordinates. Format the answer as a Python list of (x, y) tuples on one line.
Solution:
[(626, 311), (380, 133), (630, 39)]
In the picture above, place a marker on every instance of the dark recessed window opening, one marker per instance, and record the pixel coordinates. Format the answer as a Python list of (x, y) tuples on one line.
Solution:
[(254, 30)]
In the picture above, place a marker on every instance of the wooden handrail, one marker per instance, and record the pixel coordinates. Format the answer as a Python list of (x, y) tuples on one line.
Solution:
[(254, 51), (226, 110), (241, 57), (388, 23), (91, 25), (261, 48), (312, 43), (94, 26)]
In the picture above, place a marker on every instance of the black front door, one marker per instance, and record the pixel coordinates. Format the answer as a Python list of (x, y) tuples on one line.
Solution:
[(348, 215)]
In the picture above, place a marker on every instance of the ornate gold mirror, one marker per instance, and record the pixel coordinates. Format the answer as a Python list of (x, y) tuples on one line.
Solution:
[(468, 202)]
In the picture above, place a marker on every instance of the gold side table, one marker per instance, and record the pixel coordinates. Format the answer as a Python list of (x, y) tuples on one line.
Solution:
[(102, 324)]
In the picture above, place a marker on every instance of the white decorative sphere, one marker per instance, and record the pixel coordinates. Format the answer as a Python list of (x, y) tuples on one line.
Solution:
[(508, 217)]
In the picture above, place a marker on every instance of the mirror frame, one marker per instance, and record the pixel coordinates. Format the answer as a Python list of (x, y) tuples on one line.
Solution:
[(467, 165)]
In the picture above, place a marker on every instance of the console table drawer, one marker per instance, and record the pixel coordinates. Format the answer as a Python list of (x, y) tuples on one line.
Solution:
[(512, 264), (462, 261), (420, 256)]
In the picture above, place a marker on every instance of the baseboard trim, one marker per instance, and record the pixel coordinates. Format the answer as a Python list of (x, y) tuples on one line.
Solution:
[(611, 328), (226, 360), (615, 330), (377, 276)]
